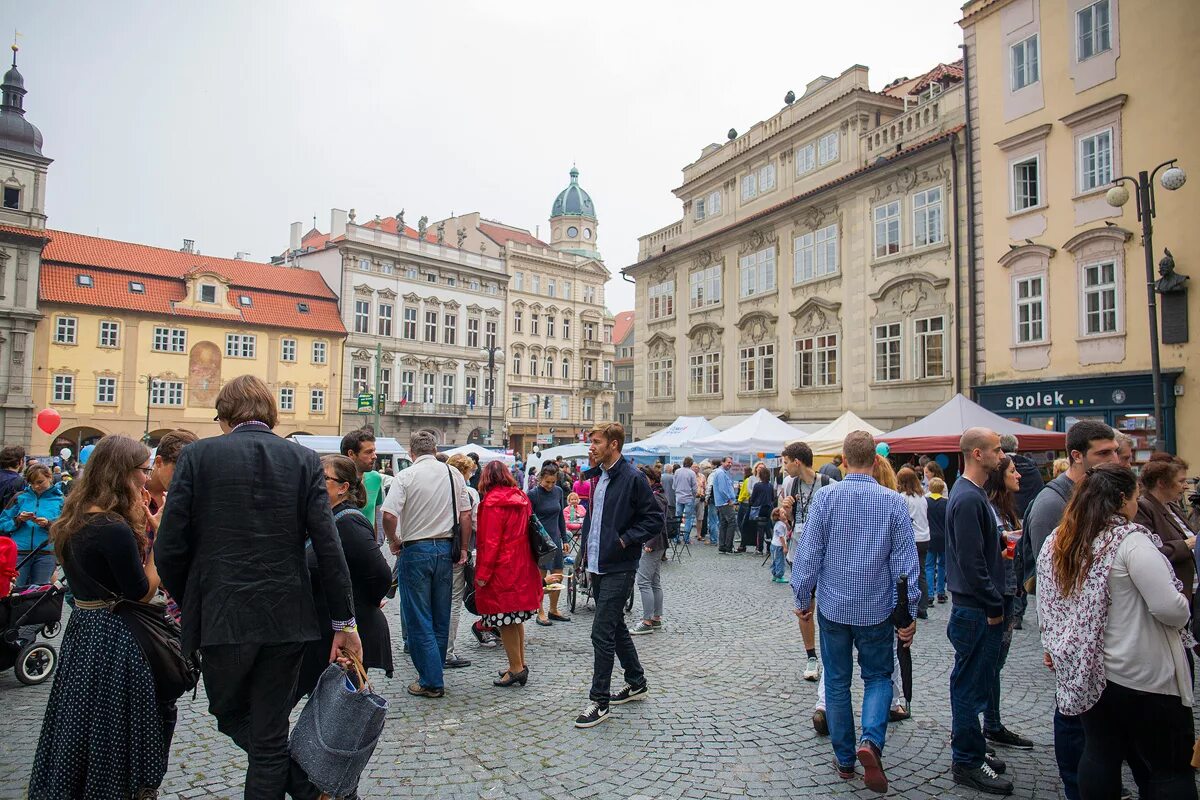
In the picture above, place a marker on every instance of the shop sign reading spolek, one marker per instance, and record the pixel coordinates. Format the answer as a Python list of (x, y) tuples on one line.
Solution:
[(1037, 400)]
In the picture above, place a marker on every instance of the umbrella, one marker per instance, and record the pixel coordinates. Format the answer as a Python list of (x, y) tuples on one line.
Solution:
[(902, 618)]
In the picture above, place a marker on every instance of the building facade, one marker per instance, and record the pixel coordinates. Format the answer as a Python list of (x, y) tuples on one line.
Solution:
[(1065, 98), (138, 340), (420, 314), (559, 352), (23, 172), (815, 268), (623, 339)]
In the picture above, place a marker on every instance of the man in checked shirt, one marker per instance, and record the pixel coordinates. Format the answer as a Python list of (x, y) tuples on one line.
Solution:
[(857, 543)]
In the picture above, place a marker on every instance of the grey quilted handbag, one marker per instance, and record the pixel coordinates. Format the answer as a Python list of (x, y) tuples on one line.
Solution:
[(338, 729)]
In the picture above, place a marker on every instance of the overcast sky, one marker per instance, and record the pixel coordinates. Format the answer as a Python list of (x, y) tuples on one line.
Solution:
[(225, 120)]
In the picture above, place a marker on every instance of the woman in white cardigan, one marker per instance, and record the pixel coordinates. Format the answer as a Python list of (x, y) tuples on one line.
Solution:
[(1114, 627)]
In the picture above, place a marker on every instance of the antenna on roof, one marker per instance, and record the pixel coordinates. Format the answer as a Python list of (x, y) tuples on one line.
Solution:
[(314, 221)]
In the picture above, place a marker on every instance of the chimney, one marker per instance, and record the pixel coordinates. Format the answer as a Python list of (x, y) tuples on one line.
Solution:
[(337, 222), (241, 255), (189, 246), (295, 236)]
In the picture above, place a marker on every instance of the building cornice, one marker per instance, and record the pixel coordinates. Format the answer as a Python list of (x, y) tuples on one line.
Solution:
[(1025, 137), (1025, 251), (1114, 234), (1114, 103)]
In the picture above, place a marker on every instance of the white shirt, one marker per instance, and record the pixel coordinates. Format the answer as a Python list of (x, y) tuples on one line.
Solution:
[(918, 512), (419, 499)]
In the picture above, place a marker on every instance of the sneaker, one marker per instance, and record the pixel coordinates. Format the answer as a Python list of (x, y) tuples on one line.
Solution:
[(812, 669), (845, 771), (592, 716), (1125, 793), (642, 627), (941, 598), (629, 694), (1006, 738), (417, 690), (1018, 624), (982, 778), (820, 723), (998, 766), (490, 641), (657, 623), (455, 661), (870, 757)]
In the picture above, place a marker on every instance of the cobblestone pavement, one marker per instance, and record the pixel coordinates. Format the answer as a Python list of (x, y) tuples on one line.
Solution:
[(727, 716)]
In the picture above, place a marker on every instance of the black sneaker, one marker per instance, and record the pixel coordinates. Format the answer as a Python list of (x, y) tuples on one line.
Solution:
[(629, 694), (1125, 793), (998, 766), (1006, 738), (820, 723), (455, 661), (982, 778), (592, 716)]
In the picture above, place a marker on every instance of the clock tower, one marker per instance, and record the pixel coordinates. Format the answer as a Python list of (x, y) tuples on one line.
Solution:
[(573, 220)]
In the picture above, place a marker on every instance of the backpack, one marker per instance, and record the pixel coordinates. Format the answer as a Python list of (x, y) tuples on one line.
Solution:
[(1025, 561)]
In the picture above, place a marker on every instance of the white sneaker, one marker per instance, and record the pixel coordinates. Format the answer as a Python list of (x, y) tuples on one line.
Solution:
[(812, 671)]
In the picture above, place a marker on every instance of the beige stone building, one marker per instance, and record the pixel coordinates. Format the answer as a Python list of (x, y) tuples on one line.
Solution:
[(814, 269), (1067, 96)]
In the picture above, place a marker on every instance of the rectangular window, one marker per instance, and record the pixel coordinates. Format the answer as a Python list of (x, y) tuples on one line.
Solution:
[(1024, 58), (1026, 184), (431, 326), (362, 316), (564, 408), (589, 370), (385, 384), (12, 197), (534, 323), (449, 328), (519, 281), (166, 393), (240, 345), (566, 327), (516, 405), (698, 208), (535, 284), (106, 391), (607, 371), (662, 378), (170, 340), (766, 178), (208, 293), (704, 287), (65, 330), (110, 334), (359, 378), (64, 388), (1100, 298), (384, 319), (364, 264), (287, 349), (549, 327), (408, 384), (1092, 30), (431, 277), (887, 229), (756, 368), (518, 321), (750, 186), (929, 336), (927, 217), (662, 299), (1095, 160), (566, 369), (806, 158), (319, 352), (448, 389), (588, 405), (887, 352), (827, 148), (1030, 299), (471, 389), (490, 333), (428, 387), (316, 401), (816, 361), (589, 294), (589, 331), (551, 288), (516, 362), (756, 272), (704, 372), (566, 290), (287, 398), (409, 330), (815, 254), (472, 332)]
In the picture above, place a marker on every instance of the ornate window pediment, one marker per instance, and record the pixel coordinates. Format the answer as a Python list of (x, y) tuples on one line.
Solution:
[(451, 304), (815, 217), (757, 326), (362, 288), (492, 312), (412, 297), (660, 344), (757, 240), (518, 304), (386, 293), (705, 336), (816, 315), (475, 308), (906, 294), (1104, 238), (361, 355), (1016, 255)]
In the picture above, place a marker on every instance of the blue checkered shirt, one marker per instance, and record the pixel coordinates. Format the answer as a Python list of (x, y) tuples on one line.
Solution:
[(857, 542)]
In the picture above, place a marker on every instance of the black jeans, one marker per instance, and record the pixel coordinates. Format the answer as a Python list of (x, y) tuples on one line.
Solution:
[(610, 636), (923, 603), (727, 519), (250, 689), (1153, 733), (1068, 749), (991, 716)]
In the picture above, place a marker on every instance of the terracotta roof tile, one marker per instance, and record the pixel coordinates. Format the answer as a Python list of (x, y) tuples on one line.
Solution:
[(624, 321), (502, 233), (952, 71)]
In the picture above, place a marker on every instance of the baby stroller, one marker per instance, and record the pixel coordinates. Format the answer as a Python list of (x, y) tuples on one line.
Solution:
[(22, 617)]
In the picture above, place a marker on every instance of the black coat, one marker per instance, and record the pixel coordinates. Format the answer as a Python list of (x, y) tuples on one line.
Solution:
[(631, 517), (230, 548)]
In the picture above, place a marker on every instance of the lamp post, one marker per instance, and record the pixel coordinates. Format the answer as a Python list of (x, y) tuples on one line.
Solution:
[(1118, 196), (494, 354), (151, 382)]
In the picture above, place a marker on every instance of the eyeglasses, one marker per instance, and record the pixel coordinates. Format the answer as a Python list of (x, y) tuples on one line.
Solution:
[(147, 470)]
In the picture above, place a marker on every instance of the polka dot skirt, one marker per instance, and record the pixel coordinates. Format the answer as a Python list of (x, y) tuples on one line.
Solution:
[(102, 736), (507, 618)]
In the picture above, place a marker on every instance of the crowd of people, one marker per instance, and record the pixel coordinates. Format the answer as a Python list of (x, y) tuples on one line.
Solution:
[(270, 582)]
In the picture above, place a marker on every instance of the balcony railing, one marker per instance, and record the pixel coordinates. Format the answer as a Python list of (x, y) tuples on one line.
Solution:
[(591, 346), (596, 386)]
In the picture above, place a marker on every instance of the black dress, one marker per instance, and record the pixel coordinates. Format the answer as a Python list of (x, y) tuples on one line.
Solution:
[(370, 579), (104, 736)]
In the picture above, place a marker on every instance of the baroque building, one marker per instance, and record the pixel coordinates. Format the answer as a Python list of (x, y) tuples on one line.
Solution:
[(623, 339), (815, 268)]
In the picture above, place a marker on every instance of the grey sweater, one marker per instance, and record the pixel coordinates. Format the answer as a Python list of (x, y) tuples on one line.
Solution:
[(1044, 515)]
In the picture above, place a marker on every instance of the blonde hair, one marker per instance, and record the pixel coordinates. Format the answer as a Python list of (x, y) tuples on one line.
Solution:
[(883, 473), (937, 486), (1061, 465), (572, 497), (462, 463)]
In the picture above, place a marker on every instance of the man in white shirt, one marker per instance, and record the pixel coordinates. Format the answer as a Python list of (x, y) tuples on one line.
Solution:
[(419, 520)]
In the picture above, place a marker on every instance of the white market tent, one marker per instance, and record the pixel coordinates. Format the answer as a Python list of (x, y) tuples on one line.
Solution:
[(384, 445), (673, 440), (570, 452), (761, 432), (485, 456), (827, 440)]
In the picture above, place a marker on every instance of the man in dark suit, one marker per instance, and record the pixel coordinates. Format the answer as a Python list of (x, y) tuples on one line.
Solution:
[(231, 550)]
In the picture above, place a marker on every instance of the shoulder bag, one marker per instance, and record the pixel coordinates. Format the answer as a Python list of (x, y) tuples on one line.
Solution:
[(540, 542), (456, 542)]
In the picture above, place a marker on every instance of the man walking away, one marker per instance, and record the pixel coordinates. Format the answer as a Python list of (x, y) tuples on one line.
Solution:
[(833, 470), (231, 551), (684, 487), (975, 576), (418, 520), (725, 501), (858, 542), (359, 447), (624, 517)]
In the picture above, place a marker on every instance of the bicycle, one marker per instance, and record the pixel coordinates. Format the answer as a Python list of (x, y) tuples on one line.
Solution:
[(577, 583)]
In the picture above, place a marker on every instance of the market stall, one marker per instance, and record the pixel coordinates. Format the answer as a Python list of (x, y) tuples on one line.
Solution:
[(940, 431)]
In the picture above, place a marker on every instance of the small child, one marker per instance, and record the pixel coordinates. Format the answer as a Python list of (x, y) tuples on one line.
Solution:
[(574, 513), (779, 536)]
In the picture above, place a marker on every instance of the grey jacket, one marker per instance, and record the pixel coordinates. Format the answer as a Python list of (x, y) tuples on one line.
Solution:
[(1043, 516), (684, 486)]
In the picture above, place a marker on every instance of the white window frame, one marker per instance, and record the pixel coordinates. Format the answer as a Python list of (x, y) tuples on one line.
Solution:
[(287, 399), (698, 209), (928, 217), (704, 287), (519, 281), (589, 408), (64, 389), (766, 177), (566, 369), (362, 316), (933, 335), (431, 326), (320, 352), (828, 149), (749, 186), (564, 407), (449, 327), (893, 340), (662, 299), (241, 345), (806, 158), (1035, 303), (515, 411), (756, 368), (383, 319), (1095, 178), (1100, 289), (704, 374), (316, 401), (408, 325), (110, 330), (661, 378), (287, 349), (815, 254), (428, 387), (473, 332), (166, 394), (449, 388), (1093, 30), (106, 391), (550, 326), (817, 361), (756, 273), (1014, 194), (535, 323), (1029, 63), (884, 216), (518, 321), (66, 330), (169, 340), (535, 284), (713, 204)]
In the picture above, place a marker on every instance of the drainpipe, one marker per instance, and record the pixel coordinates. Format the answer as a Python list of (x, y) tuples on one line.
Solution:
[(958, 308), (972, 288)]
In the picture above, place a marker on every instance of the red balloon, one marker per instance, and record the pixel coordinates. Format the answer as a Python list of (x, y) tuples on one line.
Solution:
[(48, 420)]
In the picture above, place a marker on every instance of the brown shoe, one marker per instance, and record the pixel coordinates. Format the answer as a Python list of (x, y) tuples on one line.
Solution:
[(844, 772), (870, 757), (820, 724), (417, 690)]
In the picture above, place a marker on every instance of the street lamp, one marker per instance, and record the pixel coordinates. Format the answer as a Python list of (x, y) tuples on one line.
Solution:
[(152, 383), (1118, 196), (494, 353)]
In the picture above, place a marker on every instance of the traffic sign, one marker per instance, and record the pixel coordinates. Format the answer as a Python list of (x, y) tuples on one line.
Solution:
[(366, 401)]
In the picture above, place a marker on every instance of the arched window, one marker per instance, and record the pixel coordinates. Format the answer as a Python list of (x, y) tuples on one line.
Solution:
[(566, 369), (532, 365), (549, 373)]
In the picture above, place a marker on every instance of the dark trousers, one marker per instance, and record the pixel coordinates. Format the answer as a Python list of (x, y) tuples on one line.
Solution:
[(610, 636), (922, 549), (727, 518), (749, 532), (976, 644), (991, 716), (250, 688), (1068, 749), (1153, 733)]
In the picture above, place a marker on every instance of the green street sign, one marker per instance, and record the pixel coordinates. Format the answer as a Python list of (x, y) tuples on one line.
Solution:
[(366, 401)]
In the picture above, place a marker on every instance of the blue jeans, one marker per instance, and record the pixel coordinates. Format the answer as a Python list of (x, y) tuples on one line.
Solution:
[(935, 572), (991, 716), (37, 570), (875, 660), (687, 518), (1068, 750), (425, 587), (777, 563), (714, 528), (976, 647)]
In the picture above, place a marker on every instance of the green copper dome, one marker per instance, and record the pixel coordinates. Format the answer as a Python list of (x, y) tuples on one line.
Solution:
[(573, 201)]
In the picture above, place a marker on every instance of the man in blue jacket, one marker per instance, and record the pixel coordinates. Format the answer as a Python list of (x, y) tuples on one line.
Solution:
[(624, 516)]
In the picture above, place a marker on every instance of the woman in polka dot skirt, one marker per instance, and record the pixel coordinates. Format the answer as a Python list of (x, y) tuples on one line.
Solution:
[(105, 735)]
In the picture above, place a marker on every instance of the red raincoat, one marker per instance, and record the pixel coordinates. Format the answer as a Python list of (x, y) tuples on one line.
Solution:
[(503, 557)]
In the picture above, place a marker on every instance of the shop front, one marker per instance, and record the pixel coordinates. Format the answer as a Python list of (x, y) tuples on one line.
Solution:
[(1123, 400)]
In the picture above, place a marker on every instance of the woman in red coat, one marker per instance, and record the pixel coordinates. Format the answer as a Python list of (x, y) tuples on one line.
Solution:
[(509, 583)]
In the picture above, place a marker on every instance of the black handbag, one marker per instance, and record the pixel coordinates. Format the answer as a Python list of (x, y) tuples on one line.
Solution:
[(456, 542), (469, 588), (539, 541)]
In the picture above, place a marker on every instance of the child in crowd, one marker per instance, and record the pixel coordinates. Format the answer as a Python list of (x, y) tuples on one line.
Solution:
[(935, 558), (779, 536), (574, 513)]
